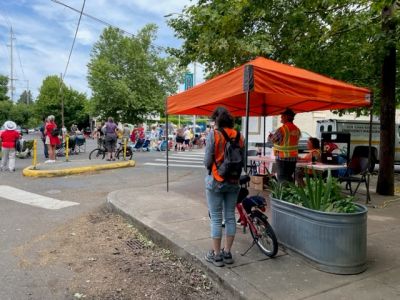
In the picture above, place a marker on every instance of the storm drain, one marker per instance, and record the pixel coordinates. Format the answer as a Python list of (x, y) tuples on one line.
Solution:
[(135, 244)]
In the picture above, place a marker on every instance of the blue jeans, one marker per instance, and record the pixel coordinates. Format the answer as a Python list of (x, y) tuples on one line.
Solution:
[(221, 201)]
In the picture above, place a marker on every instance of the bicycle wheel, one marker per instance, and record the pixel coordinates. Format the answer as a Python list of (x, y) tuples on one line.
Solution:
[(265, 238), (97, 154), (129, 153)]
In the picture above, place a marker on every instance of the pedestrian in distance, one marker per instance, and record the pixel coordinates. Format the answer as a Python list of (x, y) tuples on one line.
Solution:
[(286, 141), (111, 134), (222, 188), (52, 138), (43, 138), (8, 140)]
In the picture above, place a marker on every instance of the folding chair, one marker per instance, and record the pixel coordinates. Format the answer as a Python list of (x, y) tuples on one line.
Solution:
[(357, 172), (252, 166)]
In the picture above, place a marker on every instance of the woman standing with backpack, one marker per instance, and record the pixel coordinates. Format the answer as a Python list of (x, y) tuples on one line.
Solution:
[(52, 140), (222, 183)]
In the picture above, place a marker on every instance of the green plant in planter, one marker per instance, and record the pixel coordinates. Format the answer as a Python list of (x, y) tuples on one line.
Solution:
[(318, 194)]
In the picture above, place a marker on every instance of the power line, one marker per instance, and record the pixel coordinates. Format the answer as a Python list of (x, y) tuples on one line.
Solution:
[(94, 18), (73, 42), (20, 62)]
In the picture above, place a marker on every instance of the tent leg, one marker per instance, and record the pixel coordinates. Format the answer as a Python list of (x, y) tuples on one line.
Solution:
[(247, 129), (166, 138)]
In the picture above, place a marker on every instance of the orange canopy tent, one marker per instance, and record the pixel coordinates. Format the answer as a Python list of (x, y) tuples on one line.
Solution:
[(263, 87), (272, 87)]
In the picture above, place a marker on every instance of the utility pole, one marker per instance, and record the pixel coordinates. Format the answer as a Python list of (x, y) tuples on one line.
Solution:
[(12, 66), (62, 100)]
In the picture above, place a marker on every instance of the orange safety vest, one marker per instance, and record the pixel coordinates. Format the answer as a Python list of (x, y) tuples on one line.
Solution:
[(288, 146), (219, 149)]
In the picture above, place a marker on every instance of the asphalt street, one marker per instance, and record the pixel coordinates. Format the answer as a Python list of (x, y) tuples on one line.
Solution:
[(21, 223)]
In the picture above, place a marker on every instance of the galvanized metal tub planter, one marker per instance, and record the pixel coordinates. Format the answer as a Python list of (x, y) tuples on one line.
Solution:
[(331, 242)]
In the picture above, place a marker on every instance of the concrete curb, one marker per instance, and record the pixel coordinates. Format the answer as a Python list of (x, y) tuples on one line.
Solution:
[(30, 172)]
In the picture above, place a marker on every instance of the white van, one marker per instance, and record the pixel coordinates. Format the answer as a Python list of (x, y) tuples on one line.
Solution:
[(359, 133)]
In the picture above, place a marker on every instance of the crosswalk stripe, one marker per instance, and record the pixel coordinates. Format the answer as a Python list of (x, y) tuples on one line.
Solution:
[(21, 196), (177, 160), (186, 155), (185, 158), (173, 165)]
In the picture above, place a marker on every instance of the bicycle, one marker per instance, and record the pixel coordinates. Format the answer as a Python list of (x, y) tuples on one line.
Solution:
[(100, 152), (251, 214)]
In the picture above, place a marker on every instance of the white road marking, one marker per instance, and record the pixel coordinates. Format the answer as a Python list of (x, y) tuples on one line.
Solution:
[(188, 155), (21, 196), (174, 165), (186, 158), (177, 160)]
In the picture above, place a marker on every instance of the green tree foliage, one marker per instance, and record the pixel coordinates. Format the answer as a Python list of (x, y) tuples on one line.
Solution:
[(49, 102), (128, 78), (25, 97), (21, 114), (351, 40), (3, 88), (339, 38), (5, 109)]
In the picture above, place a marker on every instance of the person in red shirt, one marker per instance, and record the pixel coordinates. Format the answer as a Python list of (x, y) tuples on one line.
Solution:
[(52, 140), (8, 138)]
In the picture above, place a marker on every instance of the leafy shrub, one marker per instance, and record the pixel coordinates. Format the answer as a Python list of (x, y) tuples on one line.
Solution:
[(317, 194)]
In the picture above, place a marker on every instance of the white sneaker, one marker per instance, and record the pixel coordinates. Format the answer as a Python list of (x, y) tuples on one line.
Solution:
[(49, 161)]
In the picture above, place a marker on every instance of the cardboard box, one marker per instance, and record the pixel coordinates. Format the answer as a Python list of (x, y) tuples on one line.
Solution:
[(257, 182)]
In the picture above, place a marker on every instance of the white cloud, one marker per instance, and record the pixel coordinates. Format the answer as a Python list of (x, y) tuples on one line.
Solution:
[(44, 31)]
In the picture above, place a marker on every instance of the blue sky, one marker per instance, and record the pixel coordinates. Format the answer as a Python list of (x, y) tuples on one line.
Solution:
[(44, 32)]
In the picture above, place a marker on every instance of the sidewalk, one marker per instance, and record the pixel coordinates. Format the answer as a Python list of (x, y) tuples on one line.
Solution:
[(180, 222)]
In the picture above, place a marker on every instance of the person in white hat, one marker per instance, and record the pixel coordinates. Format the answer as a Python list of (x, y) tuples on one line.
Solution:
[(8, 138)]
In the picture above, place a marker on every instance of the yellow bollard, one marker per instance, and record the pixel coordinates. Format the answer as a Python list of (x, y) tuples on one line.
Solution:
[(34, 160), (66, 147), (125, 140)]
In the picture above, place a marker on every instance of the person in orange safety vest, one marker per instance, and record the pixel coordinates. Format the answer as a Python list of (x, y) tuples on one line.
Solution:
[(286, 141)]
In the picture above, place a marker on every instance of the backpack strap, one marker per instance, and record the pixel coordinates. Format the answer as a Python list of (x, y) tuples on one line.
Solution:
[(227, 139), (224, 134)]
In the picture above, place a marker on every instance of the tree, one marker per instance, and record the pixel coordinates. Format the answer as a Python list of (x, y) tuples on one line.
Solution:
[(5, 109), (49, 102), (128, 78), (344, 39), (25, 97), (3, 88)]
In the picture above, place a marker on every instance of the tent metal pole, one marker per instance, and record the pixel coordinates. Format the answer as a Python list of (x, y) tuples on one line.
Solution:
[(247, 129), (166, 138), (264, 114), (248, 86)]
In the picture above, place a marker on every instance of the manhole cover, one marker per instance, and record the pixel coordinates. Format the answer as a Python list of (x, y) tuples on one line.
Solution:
[(135, 244)]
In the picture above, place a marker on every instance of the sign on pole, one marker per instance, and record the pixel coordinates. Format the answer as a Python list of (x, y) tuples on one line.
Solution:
[(188, 81)]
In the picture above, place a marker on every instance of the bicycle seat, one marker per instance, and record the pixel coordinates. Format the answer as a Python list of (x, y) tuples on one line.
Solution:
[(244, 179)]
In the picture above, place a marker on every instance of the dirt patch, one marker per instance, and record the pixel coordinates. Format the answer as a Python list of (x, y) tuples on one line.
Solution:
[(110, 259)]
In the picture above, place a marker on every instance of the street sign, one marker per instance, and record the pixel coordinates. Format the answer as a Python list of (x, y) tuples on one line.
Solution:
[(188, 81)]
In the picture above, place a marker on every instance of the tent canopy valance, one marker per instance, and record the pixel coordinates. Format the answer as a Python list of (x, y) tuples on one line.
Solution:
[(272, 87)]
